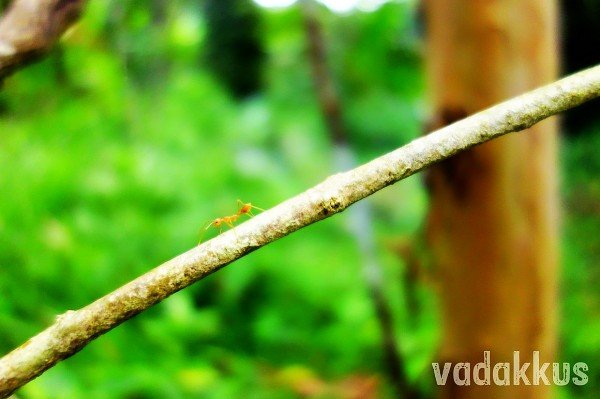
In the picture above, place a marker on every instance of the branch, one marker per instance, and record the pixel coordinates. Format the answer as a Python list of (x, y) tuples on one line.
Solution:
[(75, 329), (360, 216), (30, 28)]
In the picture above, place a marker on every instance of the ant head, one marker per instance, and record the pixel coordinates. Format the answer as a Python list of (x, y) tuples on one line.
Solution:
[(217, 222)]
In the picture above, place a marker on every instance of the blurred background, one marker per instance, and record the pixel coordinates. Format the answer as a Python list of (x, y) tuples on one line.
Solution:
[(151, 118)]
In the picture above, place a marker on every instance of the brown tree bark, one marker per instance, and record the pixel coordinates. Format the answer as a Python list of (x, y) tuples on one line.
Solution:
[(30, 28), (493, 219)]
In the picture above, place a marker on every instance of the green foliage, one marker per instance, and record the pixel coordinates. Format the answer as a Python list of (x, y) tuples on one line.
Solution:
[(111, 165), (114, 169), (233, 44), (580, 329)]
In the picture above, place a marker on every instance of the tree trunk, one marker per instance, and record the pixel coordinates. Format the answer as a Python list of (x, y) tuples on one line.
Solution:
[(493, 219)]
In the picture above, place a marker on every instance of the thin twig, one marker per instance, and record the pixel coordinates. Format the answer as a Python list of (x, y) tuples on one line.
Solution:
[(75, 329)]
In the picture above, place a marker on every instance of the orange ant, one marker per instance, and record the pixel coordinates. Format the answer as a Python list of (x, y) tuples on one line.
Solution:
[(245, 209), (218, 222)]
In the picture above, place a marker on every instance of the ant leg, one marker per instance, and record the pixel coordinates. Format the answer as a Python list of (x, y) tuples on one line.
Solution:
[(249, 212), (232, 226), (208, 225), (203, 232)]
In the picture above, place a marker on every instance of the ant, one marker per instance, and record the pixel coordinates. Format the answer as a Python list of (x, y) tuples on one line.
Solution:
[(218, 222), (245, 209)]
